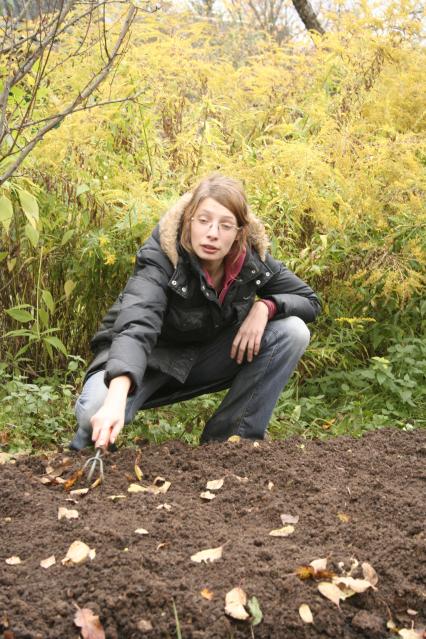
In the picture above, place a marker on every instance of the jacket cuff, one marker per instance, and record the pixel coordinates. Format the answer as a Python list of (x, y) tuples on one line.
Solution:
[(272, 308)]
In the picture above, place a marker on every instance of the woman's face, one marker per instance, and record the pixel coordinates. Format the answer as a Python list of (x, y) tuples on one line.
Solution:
[(213, 231)]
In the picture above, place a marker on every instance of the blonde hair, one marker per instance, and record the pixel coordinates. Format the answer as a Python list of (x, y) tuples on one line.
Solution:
[(229, 193)]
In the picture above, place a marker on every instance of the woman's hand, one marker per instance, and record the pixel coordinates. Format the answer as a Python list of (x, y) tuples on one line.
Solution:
[(250, 334), (109, 419), (107, 424)]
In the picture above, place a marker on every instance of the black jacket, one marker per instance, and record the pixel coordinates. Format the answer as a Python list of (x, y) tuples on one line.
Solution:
[(167, 310)]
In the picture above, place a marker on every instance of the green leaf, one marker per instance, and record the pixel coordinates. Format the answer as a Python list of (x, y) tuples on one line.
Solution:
[(6, 212), (67, 236), (56, 343), (255, 611), (48, 300), (32, 234), (3, 255), (29, 206), (20, 315), (44, 317), (81, 188), (69, 286)]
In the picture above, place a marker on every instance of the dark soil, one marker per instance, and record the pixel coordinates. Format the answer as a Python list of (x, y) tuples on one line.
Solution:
[(376, 483)]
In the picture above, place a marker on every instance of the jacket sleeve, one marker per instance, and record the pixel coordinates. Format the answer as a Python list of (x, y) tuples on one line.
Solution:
[(291, 295), (140, 320)]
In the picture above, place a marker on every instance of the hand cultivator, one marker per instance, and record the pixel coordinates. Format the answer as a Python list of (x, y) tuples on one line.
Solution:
[(94, 462)]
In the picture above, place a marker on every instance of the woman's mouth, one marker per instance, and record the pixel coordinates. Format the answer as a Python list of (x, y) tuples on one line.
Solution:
[(209, 249)]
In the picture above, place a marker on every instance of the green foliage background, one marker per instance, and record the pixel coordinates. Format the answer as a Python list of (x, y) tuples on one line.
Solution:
[(329, 141)]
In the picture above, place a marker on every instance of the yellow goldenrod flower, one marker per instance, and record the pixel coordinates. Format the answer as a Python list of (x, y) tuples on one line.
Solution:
[(110, 259)]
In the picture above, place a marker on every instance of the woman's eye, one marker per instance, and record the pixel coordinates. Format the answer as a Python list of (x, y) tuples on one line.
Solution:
[(226, 227), (203, 220)]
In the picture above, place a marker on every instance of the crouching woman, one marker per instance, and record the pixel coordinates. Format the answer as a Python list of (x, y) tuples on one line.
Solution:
[(206, 308)]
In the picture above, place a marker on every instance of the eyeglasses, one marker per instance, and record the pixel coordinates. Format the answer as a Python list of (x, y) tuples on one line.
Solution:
[(205, 223)]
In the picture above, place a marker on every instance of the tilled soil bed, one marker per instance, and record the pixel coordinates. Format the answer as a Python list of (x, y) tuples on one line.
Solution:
[(357, 499)]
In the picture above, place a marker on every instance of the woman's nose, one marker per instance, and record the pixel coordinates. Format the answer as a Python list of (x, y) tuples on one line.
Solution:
[(213, 230)]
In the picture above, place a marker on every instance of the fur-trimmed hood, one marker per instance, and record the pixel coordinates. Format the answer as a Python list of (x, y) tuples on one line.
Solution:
[(171, 221)]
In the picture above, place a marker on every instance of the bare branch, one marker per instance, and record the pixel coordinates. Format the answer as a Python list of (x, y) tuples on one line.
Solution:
[(83, 95)]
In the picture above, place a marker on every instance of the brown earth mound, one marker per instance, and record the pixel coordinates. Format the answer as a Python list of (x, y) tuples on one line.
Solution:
[(357, 501)]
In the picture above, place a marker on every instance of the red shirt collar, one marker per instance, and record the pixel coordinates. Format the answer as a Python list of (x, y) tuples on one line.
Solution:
[(233, 267)]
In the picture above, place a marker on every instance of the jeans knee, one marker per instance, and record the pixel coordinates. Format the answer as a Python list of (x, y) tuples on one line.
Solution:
[(84, 411), (295, 329)]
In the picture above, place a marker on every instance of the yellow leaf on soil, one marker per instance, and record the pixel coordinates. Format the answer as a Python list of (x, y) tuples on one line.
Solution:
[(67, 513), (369, 573), (289, 519), (406, 633), (138, 472), (207, 594), (116, 497), (235, 600), (234, 438), (50, 561), (211, 554), (344, 518), (207, 495), (270, 485), (355, 585), (91, 627), (305, 613), (141, 531), (13, 561), (285, 531), (78, 552), (79, 491), (330, 591), (319, 564), (215, 484)]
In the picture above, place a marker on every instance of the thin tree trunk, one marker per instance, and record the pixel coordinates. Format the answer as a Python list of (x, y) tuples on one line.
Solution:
[(308, 16)]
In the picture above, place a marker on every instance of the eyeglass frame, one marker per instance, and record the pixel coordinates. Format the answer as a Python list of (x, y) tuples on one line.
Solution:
[(210, 224)]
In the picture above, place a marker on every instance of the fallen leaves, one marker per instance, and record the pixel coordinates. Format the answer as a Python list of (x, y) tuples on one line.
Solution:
[(159, 486), (137, 470), (331, 592), (116, 497), (207, 594), (77, 553), (215, 484), (91, 627), (255, 611), (343, 517), (141, 531), (79, 492), (207, 495), (305, 613), (285, 531), (210, 554), (46, 563), (13, 561), (235, 600), (73, 479), (67, 513), (289, 519)]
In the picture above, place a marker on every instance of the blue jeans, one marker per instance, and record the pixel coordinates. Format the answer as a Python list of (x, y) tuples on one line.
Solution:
[(254, 386)]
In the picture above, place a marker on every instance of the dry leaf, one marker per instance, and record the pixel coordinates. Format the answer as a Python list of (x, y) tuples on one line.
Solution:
[(235, 600), (412, 612), (344, 518), (305, 613), (256, 445), (67, 513), (78, 552), (207, 594), (305, 572), (141, 531), (211, 554), (50, 561), (234, 439), (13, 561), (137, 488), (331, 591), (289, 519), (73, 479), (91, 627), (79, 491), (319, 564), (355, 585), (96, 483), (207, 495), (144, 625), (163, 488), (285, 531), (116, 497), (8, 519), (369, 573), (162, 545), (242, 480), (215, 484), (154, 490), (270, 485), (138, 472), (165, 506), (406, 633), (159, 481), (6, 458)]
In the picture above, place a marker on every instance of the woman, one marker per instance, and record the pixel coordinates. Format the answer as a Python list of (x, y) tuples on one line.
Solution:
[(205, 309)]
